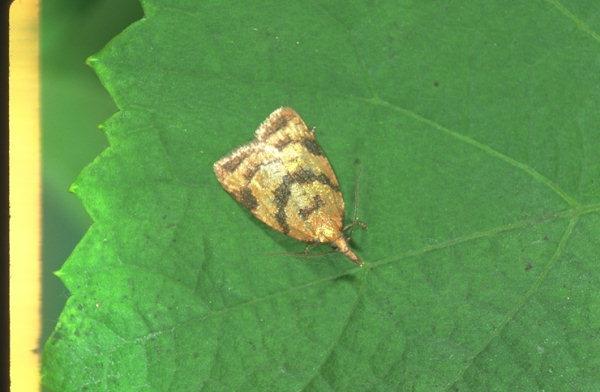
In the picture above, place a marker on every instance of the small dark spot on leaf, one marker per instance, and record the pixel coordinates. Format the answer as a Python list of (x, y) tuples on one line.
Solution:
[(436, 83), (546, 238), (529, 266)]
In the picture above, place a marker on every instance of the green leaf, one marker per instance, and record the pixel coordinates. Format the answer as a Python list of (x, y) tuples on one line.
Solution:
[(477, 128)]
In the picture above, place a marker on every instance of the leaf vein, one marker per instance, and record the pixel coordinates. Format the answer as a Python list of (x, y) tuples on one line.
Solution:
[(537, 176), (530, 292), (581, 25)]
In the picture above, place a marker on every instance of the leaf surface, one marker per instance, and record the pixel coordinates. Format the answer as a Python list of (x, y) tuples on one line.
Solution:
[(477, 136)]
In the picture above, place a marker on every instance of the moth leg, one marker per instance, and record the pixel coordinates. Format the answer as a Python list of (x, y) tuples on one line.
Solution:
[(306, 253), (356, 223), (347, 230), (308, 250), (309, 246)]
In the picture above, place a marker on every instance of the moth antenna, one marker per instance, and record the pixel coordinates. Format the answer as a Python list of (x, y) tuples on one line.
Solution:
[(358, 173), (354, 220)]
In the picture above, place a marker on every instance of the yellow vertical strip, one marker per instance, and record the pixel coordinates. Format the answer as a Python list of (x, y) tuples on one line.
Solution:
[(25, 200)]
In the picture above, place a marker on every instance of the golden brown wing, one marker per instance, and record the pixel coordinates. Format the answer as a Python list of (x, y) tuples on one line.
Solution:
[(285, 180), (285, 130)]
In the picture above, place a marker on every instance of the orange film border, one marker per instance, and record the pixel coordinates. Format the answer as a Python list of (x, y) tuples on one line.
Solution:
[(24, 195)]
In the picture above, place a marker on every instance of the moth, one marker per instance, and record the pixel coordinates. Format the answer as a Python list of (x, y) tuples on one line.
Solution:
[(286, 181)]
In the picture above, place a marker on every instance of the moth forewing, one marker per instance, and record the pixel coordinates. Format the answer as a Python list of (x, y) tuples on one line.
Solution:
[(286, 181)]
